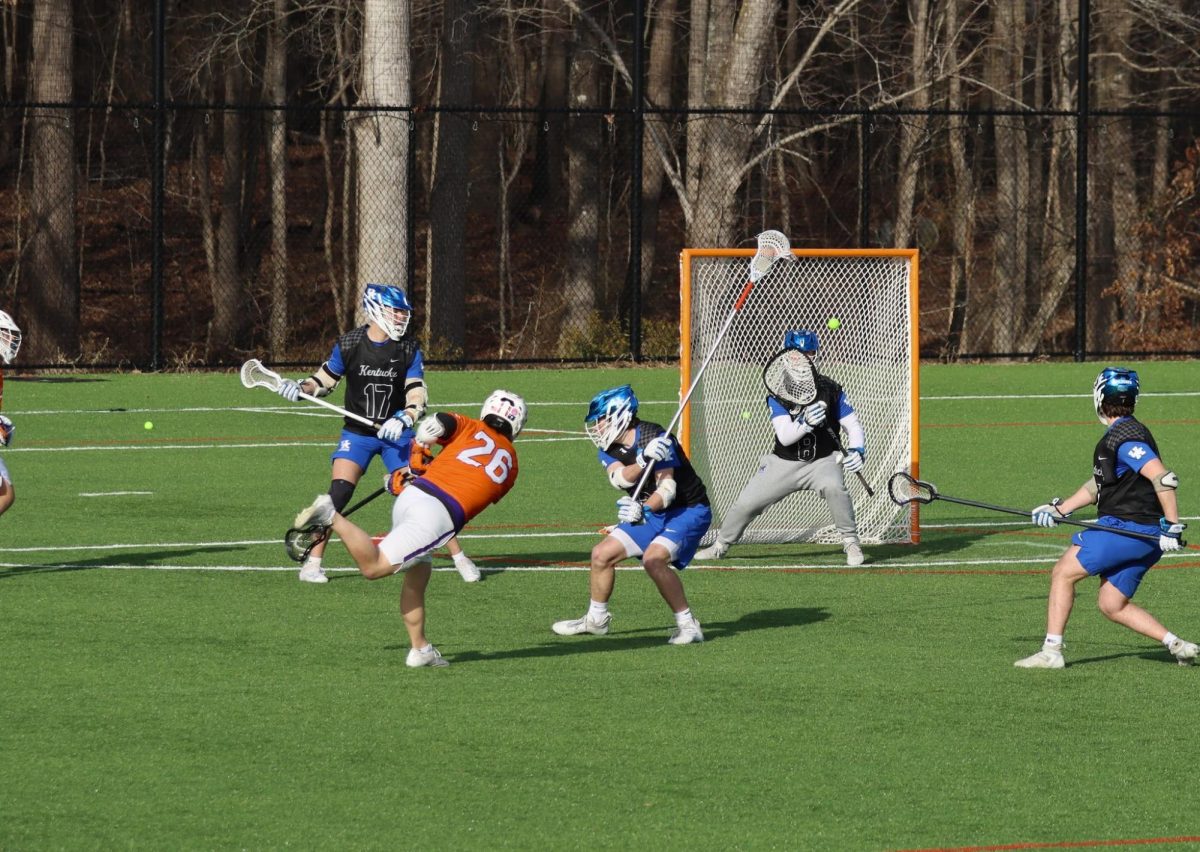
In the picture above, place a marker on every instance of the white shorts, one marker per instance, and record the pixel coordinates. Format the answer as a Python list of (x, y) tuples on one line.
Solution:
[(420, 523)]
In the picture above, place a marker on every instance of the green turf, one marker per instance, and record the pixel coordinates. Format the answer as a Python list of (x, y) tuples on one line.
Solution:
[(829, 708)]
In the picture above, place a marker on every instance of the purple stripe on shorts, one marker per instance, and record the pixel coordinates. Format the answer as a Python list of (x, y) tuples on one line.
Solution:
[(457, 516)]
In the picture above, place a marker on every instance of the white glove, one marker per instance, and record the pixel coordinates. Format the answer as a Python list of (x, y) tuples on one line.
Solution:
[(6, 430), (392, 430), (289, 389), (1048, 514), (656, 450), (852, 462), (629, 511), (814, 414), (429, 430), (1172, 531)]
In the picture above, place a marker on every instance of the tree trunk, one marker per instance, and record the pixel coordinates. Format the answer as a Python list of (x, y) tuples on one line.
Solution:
[(382, 140), (50, 312), (913, 128), (448, 197), (658, 93), (546, 186), (277, 94), (228, 290), (962, 234)]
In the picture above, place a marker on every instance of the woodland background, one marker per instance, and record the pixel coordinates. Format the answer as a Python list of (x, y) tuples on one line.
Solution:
[(187, 184)]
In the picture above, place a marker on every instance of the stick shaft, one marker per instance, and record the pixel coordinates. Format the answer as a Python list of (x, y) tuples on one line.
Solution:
[(366, 421), (1025, 514)]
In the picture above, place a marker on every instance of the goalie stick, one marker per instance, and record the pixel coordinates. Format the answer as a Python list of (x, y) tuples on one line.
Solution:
[(299, 541), (772, 246), (905, 489), (789, 378), (255, 375)]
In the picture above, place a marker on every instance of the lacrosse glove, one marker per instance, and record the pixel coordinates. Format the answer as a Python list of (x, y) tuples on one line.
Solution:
[(289, 389), (1170, 534), (1048, 514)]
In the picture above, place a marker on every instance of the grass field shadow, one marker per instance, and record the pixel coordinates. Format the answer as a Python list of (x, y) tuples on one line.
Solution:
[(142, 559)]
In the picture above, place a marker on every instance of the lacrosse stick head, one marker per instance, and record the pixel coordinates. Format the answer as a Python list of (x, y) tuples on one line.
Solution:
[(609, 415), (1116, 386), (10, 338), (255, 375), (905, 489), (299, 541), (772, 246), (789, 377), (387, 307)]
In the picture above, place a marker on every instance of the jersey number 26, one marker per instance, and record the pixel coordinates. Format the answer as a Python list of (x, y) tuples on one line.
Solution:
[(499, 461)]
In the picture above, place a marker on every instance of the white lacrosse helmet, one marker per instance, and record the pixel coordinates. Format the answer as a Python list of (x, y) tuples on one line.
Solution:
[(10, 338), (508, 407), (387, 307)]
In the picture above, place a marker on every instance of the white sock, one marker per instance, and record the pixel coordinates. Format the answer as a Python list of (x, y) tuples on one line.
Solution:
[(1053, 639), (312, 562), (597, 610), (1169, 638), (461, 557), (683, 619), (428, 647)]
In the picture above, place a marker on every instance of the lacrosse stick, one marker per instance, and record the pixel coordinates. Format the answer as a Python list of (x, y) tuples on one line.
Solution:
[(255, 375), (299, 541), (789, 378), (772, 246), (904, 489)]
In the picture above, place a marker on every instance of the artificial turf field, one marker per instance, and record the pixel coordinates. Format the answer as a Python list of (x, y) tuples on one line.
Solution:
[(168, 684)]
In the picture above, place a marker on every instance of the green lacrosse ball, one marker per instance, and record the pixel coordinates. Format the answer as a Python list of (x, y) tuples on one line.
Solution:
[(147, 425), (833, 324), (745, 415)]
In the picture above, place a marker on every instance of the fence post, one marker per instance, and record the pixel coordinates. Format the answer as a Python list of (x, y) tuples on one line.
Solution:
[(157, 186), (1081, 181), (635, 191)]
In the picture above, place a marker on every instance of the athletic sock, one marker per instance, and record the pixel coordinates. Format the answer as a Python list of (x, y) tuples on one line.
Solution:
[(598, 610), (312, 562), (683, 619), (1169, 638), (1053, 639), (460, 557), (428, 647)]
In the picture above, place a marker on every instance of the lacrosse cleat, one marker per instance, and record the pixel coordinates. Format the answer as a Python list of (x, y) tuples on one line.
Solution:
[(854, 554), (714, 551), (686, 634), (320, 513), (432, 658), (1050, 657), (466, 568), (313, 574), (1185, 652), (576, 626)]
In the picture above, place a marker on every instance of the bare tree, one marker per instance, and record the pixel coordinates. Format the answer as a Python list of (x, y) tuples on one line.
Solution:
[(658, 93), (276, 87)]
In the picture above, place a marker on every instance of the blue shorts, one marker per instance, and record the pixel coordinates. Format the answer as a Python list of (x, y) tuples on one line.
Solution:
[(1121, 559), (360, 449), (679, 530)]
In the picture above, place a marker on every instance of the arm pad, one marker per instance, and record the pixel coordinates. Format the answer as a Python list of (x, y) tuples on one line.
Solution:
[(616, 475), (666, 491), (324, 380), (1091, 488), (1168, 480), (415, 399)]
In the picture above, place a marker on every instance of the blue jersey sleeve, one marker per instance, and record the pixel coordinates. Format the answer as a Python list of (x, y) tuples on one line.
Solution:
[(417, 370), (336, 365), (844, 408), (605, 459), (777, 408), (1133, 455)]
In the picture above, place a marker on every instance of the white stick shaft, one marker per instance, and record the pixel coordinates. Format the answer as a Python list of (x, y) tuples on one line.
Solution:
[(363, 420)]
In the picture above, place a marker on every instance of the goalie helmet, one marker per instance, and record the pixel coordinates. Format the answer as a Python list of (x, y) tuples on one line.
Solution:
[(387, 307), (609, 415), (10, 338), (1116, 385), (504, 410), (802, 339)]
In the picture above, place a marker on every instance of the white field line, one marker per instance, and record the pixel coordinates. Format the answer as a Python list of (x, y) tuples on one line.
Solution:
[(256, 446), (111, 493)]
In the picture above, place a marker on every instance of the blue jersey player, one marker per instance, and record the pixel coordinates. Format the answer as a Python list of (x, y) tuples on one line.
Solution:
[(1133, 490), (663, 528)]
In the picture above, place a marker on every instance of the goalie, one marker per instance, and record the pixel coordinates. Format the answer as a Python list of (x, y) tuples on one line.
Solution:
[(805, 458)]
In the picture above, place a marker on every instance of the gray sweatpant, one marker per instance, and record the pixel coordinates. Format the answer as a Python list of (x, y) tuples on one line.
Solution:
[(777, 478)]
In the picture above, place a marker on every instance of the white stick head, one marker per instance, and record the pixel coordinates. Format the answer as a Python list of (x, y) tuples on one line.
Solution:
[(772, 246), (255, 375)]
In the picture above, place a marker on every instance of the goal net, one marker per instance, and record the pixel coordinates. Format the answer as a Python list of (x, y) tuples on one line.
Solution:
[(872, 353)]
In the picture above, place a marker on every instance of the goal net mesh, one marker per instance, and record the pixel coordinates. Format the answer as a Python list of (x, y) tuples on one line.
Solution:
[(726, 428)]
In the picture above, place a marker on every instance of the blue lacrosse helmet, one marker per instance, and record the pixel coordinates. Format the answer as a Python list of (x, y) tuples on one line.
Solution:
[(387, 307), (609, 415), (1116, 385), (802, 339)]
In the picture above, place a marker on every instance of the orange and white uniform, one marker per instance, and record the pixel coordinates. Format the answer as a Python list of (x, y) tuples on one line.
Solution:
[(476, 467)]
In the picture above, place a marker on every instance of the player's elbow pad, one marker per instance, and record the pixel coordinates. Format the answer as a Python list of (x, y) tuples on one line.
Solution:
[(616, 475), (416, 400), (666, 492), (324, 380), (1168, 480)]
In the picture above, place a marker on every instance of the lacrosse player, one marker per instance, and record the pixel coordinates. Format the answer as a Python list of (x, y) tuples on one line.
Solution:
[(385, 381), (804, 458), (10, 342), (664, 529), (476, 468), (1133, 490)]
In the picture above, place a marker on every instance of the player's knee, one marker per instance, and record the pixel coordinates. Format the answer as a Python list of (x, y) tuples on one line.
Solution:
[(340, 492)]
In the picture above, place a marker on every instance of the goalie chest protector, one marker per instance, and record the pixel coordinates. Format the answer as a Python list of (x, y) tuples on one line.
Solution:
[(818, 443), (375, 376)]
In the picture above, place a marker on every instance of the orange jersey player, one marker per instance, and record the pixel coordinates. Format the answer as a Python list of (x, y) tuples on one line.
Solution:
[(476, 467)]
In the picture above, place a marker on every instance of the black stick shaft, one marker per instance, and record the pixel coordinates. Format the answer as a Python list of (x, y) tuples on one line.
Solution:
[(1025, 514)]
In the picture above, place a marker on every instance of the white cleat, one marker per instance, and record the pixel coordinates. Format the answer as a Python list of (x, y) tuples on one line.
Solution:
[(320, 512), (313, 574), (854, 554), (576, 626), (687, 634), (433, 658), (1050, 657), (467, 569), (1185, 652), (716, 550)]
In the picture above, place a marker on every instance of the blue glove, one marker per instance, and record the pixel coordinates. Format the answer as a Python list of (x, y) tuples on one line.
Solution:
[(853, 461), (814, 414), (289, 389), (1048, 514), (629, 511), (393, 430), (656, 451), (1171, 533), (6, 430)]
